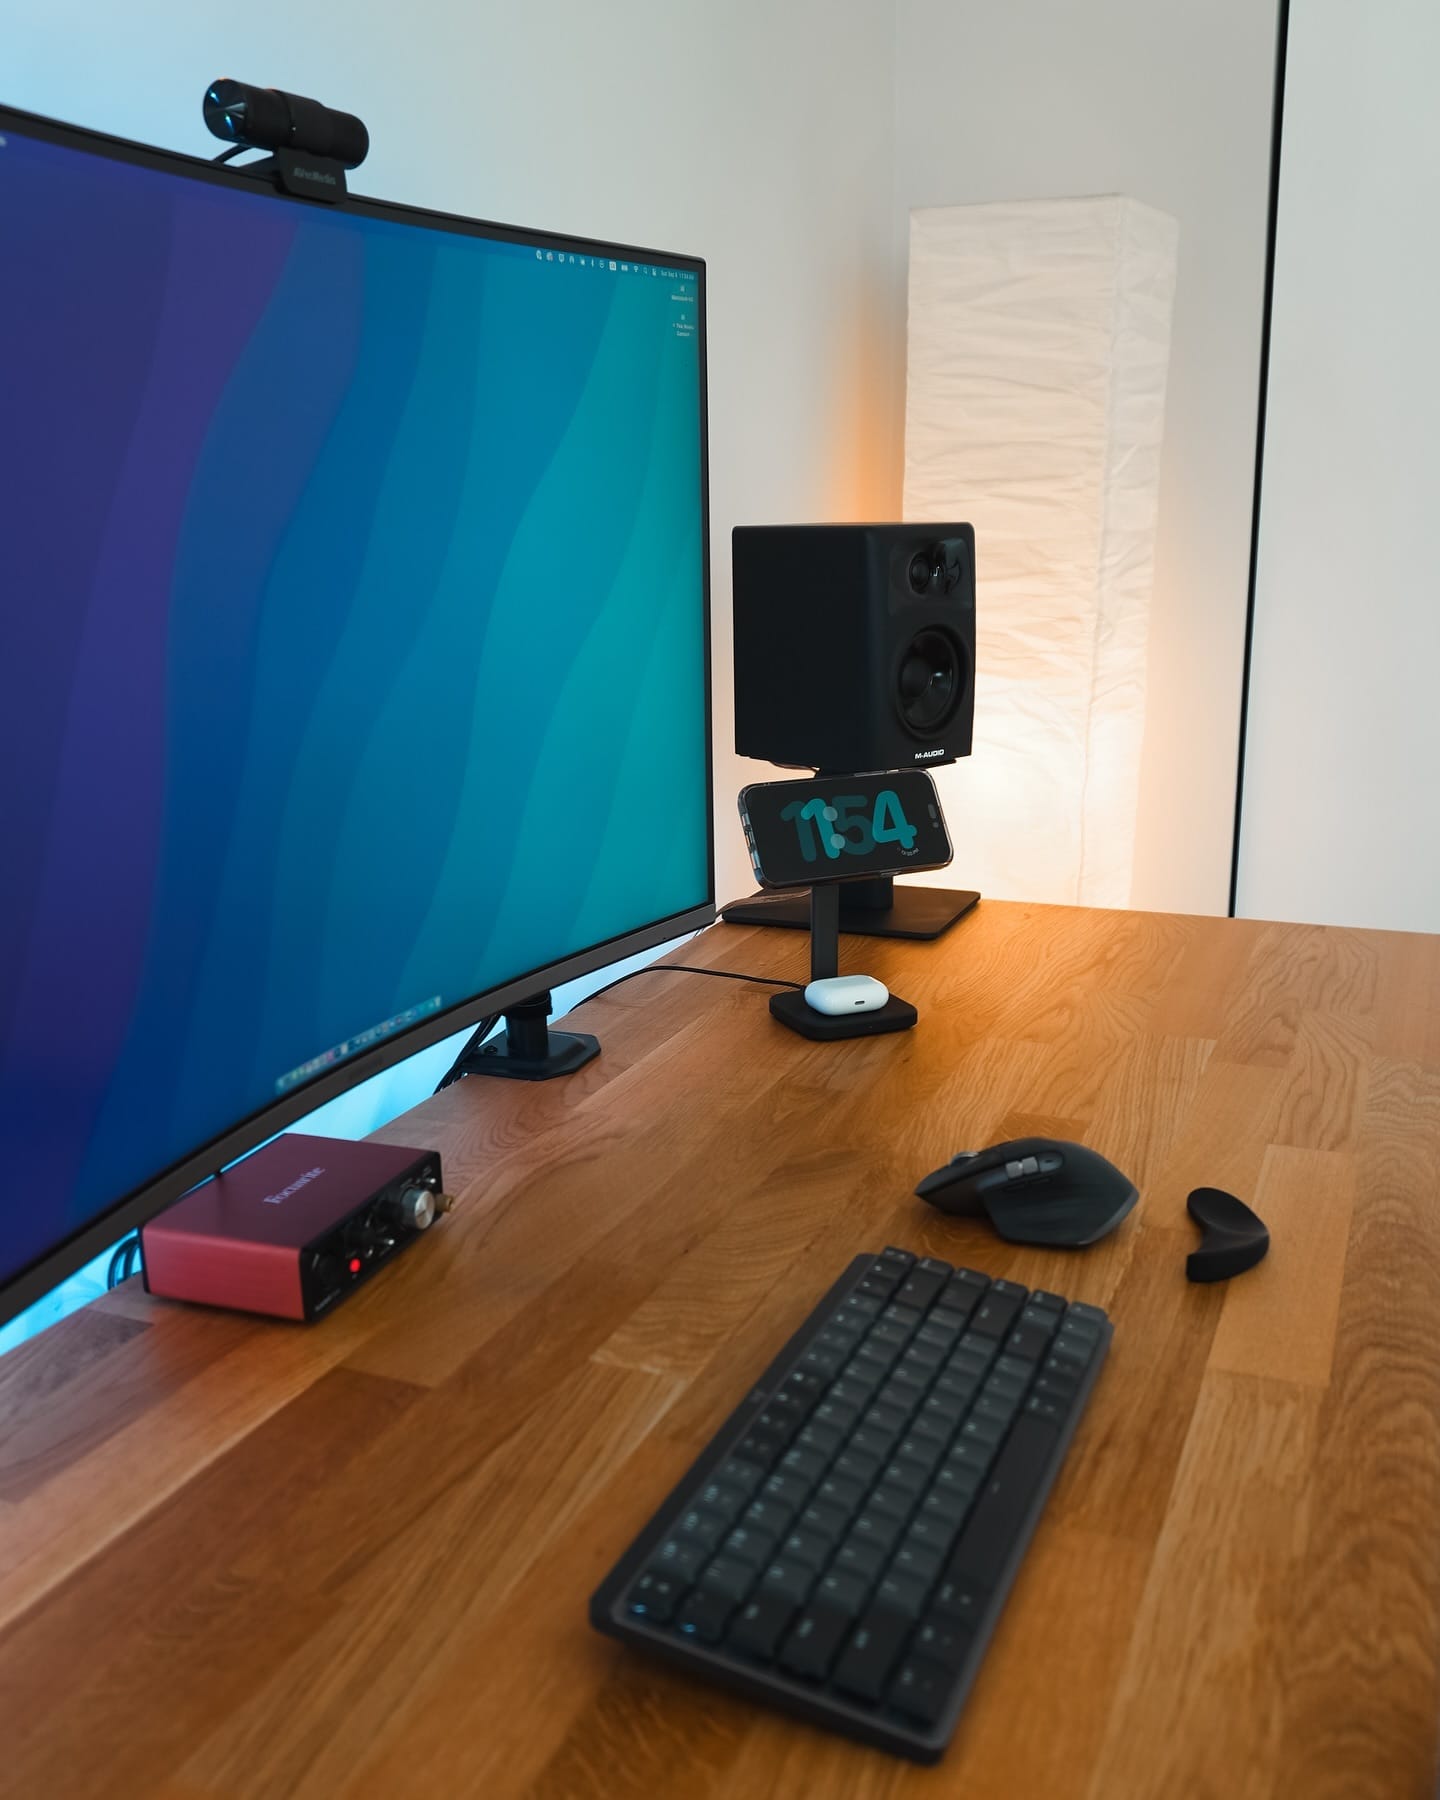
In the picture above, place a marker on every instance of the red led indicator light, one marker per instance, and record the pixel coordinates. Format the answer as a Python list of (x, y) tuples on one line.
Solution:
[(355, 1265)]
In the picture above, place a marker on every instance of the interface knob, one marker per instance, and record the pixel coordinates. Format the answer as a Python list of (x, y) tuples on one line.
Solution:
[(417, 1208)]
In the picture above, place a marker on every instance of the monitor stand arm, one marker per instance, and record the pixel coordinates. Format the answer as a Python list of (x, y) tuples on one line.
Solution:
[(527, 1049)]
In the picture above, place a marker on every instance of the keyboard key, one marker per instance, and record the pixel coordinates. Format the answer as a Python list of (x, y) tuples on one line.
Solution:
[(923, 1358), (704, 1615), (803, 1465), (925, 1452), (746, 1476), (933, 1533), (1027, 1343), (846, 1593), (728, 1577), (769, 1514), (944, 1640), (874, 1647), (820, 1440), (791, 1580), (681, 1558), (876, 1527), (807, 1547), (866, 1441), (829, 1521), (760, 1624), (995, 1314), (835, 1413), (900, 1398), (655, 1596), (981, 1431), (902, 1594), (1051, 1302), (890, 1501), (908, 1476), (857, 1465), (750, 1545), (916, 1560), (924, 1282), (719, 1497), (857, 1557), (960, 1603), (702, 1528), (814, 1639), (1040, 1316), (791, 1490), (1015, 1368), (907, 1316), (884, 1418), (840, 1491), (922, 1689), (999, 1512), (1093, 1314)]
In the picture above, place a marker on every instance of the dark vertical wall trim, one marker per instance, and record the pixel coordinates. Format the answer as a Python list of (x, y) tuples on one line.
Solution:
[(1276, 128)]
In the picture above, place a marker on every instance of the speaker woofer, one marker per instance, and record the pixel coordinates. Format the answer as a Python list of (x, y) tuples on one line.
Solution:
[(931, 682)]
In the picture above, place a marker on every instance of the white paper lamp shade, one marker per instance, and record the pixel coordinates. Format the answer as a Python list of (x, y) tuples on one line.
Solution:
[(1039, 340)]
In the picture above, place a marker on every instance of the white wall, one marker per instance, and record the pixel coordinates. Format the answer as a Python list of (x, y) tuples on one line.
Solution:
[(1170, 102), (758, 136), (1339, 820)]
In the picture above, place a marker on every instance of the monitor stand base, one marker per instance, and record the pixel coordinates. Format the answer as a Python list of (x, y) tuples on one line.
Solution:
[(527, 1049), (877, 909)]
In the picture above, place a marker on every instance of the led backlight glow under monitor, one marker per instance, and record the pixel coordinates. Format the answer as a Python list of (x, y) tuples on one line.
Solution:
[(353, 653)]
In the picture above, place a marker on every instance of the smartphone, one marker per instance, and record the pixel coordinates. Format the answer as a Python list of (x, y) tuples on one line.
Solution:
[(827, 829)]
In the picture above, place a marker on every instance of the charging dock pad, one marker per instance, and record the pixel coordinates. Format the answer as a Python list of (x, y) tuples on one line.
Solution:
[(792, 1009)]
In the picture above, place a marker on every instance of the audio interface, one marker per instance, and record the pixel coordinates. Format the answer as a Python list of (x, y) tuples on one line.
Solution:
[(293, 1229)]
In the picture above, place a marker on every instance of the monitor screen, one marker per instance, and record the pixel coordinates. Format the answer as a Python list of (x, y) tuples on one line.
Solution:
[(353, 653)]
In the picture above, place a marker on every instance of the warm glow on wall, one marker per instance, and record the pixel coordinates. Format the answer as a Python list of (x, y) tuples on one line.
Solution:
[(1039, 338)]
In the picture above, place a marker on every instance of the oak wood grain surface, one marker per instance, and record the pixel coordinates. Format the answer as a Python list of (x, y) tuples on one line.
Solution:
[(241, 1558)]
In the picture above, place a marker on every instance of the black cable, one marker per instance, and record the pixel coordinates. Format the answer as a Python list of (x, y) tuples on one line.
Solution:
[(689, 969), (234, 150), (1277, 135), (476, 1038), (487, 1025), (124, 1260)]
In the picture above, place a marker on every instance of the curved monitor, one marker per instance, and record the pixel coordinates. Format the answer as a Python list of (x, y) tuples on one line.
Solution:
[(354, 664)]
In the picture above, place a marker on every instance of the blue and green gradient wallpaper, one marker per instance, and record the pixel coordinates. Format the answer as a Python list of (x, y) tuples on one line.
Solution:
[(351, 643)]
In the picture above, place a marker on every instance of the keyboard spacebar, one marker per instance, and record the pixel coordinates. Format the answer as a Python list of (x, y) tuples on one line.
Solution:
[(1004, 1502)]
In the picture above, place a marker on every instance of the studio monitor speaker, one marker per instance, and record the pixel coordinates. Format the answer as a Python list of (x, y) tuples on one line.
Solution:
[(854, 645)]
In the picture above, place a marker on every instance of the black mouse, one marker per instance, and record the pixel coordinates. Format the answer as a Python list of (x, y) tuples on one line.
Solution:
[(1035, 1190)]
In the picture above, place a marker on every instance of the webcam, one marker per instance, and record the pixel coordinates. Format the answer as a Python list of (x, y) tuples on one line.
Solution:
[(257, 118)]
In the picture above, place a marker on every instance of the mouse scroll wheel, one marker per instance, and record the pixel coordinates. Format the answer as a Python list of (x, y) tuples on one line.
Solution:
[(1027, 1165)]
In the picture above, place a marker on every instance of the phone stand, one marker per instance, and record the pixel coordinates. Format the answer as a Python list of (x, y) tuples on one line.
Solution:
[(790, 1006)]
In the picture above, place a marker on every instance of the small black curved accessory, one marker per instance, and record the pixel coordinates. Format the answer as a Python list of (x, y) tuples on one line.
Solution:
[(1235, 1238)]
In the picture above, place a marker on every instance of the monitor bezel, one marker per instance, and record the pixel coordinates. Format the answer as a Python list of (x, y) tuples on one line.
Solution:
[(131, 1210)]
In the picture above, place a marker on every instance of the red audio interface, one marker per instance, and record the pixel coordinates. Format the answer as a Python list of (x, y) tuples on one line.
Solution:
[(294, 1228)]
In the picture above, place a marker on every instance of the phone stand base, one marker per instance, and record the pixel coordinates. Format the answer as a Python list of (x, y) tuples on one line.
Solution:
[(791, 1009), (912, 912)]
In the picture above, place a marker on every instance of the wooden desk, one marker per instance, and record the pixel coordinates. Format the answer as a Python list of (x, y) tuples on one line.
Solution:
[(257, 1560)]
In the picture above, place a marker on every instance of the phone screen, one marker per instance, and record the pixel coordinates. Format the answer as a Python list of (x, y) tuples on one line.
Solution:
[(800, 832)]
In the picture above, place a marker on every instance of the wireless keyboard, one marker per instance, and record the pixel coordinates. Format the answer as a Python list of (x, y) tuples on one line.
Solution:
[(843, 1546)]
